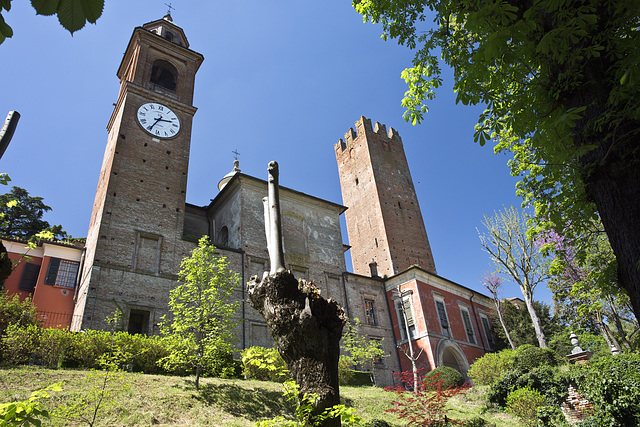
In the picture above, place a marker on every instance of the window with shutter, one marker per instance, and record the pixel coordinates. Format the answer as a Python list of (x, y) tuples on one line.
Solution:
[(404, 311), (442, 316), (62, 273), (467, 325), (487, 331), (29, 277)]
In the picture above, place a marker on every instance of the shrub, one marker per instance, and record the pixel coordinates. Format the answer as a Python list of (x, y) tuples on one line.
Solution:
[(545, 379), (423, 406), (16, 312), (532, 357), (612, 385), (491, 366), (444, 377), (524, 403), (345, 373), (20, 344), (55, 344), (88, 346), (264, 364)]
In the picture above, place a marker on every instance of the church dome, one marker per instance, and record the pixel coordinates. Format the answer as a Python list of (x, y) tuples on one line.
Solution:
[(227, 177)]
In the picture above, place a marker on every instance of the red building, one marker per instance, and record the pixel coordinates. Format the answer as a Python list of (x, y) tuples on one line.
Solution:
[(48, 275)]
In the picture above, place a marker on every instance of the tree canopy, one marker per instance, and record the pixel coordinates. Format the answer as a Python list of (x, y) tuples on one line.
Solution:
[(72, 14), (21, 216), (560, 81)]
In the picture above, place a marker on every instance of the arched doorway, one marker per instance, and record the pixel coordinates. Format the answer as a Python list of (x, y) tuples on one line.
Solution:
[(451, 355)]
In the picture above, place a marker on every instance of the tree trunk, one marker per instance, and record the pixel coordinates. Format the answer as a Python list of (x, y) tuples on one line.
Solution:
[(504, 327), (542, 342), (307, 330), (615, 189)]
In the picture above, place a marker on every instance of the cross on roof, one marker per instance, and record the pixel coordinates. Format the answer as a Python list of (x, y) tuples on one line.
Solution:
[(235, 152), (170, 7)]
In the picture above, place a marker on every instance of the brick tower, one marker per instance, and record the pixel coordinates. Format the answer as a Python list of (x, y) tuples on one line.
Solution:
[(383, 218), (135, 238)]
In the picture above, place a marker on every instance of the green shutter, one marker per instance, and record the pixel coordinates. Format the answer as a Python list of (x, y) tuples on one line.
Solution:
[(467, 325), (52, 272), (29, 277), (406, 303), (442, 314)]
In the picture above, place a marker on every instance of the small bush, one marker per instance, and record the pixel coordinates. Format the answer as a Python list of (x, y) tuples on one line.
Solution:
[(345, 373), (524, 403), (264, 364), (20, 344), (547, 380), (532, 357), (55, 344), (446, 377), (491, 366)]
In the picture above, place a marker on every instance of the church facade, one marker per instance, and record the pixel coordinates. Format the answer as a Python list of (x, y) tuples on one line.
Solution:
[(141, 226)]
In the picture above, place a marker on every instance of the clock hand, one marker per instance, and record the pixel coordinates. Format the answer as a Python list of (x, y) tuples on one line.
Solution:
[(155, 123)]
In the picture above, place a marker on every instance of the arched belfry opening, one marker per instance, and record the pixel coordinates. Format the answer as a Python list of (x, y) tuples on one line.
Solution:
[(164, 75)]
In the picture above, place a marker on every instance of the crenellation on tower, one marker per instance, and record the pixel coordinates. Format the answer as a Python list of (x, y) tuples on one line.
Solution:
[(380, 129)]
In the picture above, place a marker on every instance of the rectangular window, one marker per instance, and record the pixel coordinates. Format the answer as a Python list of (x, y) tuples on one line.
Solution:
[(404, 311), (138, 322), (442, 317), (62, 273), (370, 312), (487, 331), (29, 277), (466, 320)]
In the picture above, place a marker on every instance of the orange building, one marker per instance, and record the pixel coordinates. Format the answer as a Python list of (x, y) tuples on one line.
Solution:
[(46, 274)]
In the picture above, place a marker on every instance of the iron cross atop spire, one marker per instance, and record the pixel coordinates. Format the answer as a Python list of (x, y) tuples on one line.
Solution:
[(236, 154), (169, 8)]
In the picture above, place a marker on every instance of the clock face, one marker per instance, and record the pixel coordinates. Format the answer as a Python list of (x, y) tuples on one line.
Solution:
[(158, 120)]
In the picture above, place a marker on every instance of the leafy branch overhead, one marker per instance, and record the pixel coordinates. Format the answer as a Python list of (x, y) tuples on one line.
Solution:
[(72, 14), (560, 83)]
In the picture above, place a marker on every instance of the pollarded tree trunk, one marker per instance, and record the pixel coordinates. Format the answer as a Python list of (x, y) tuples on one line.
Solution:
[(307, 329)]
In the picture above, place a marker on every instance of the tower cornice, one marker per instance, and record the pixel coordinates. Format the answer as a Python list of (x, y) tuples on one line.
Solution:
[(141, 35)]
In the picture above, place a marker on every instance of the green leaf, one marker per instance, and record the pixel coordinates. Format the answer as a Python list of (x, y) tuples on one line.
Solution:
[(45, 7), (5, 29), (5, 4), (70, 15), (92, 9)]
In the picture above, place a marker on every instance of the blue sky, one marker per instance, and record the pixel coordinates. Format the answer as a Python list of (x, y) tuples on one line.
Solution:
[(280, 81)]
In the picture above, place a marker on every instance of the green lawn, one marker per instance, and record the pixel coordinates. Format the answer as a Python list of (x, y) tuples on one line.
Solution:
[(139, 399)]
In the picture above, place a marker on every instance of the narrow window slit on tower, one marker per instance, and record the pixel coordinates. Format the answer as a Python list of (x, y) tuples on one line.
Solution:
[(168, 152), (357, 182), (145, 144), (399, 205)]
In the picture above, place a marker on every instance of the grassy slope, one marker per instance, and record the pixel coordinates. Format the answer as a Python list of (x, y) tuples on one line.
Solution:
[(139, 399)]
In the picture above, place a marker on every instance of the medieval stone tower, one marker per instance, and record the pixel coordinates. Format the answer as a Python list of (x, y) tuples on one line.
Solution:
[(135, 238), (384, 222)]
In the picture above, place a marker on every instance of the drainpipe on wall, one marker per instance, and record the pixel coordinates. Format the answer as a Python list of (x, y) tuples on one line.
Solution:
[(476, 317)]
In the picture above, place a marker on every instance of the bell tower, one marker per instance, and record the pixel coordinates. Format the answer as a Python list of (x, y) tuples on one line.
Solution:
[(384, 222), (135, 238)]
